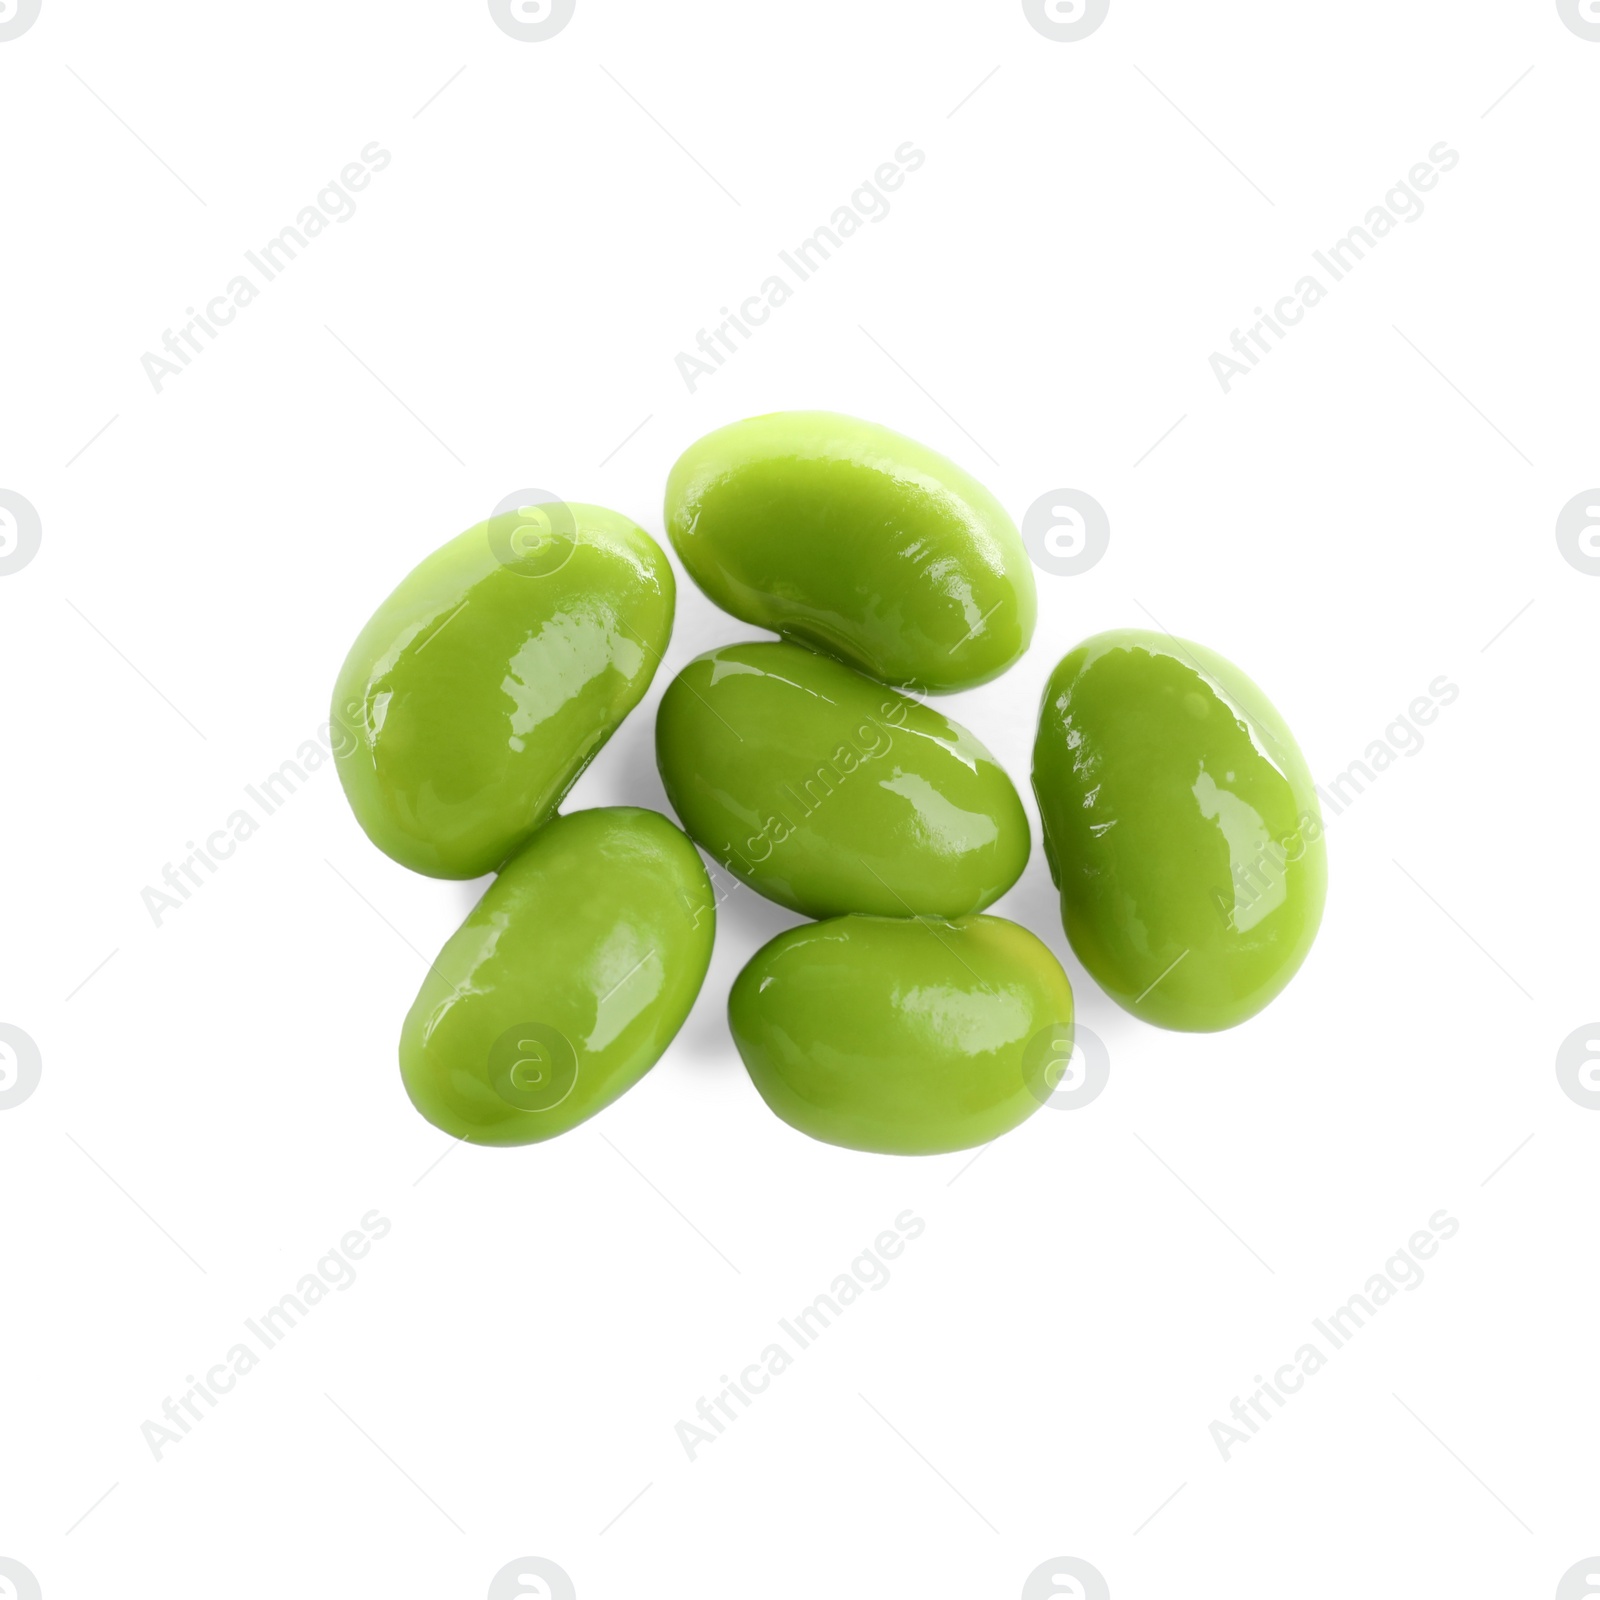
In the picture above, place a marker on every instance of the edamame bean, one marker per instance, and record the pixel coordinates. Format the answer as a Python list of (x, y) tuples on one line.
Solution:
[(901, 1035), (829, 792), (566, 982), (1181, 826), (485, 684), (856, 541)]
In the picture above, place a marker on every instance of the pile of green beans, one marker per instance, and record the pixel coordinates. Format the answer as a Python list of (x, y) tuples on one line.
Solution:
[(1180, 824)]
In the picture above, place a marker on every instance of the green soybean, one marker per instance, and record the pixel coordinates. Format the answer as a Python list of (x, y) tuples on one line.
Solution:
[(856, 541), (1181, 827), (904, 1036), (566, 982), (829, 792), (485, 684)]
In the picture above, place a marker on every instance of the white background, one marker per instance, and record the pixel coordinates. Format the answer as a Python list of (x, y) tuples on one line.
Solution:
[(1368, 510)]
